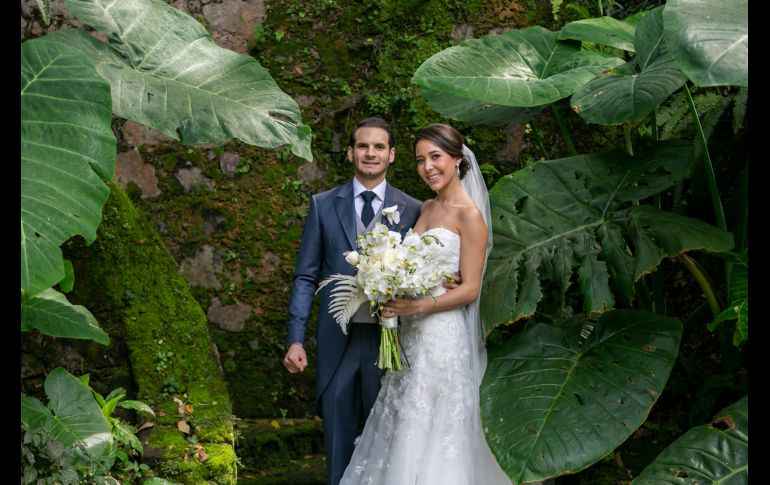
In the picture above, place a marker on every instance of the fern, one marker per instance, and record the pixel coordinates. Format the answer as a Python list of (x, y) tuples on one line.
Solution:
[(672, 118), (346, 297), (739, 108), (45, 10), (713, 106)]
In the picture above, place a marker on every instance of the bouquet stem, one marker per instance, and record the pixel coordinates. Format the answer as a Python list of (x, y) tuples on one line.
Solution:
[(389, 357)]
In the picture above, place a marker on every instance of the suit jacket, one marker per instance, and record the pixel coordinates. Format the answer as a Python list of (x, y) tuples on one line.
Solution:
[(330, 231)]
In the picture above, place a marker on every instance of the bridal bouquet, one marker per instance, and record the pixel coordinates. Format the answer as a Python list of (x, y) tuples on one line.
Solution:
[(388, 267)]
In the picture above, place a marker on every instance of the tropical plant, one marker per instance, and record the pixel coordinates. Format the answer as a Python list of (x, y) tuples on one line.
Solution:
[(75, 437), (80, 443), (577, 239), (716, 452), (159, 67), (127, 447), (168, 75)]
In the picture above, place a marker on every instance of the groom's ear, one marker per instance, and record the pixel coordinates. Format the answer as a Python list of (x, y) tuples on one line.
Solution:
[(392, 155)]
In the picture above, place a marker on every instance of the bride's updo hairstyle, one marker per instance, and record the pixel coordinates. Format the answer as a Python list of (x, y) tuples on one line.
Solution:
[(446, 138)]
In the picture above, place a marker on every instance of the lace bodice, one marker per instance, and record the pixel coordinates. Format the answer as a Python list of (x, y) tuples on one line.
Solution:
[(446, 254)]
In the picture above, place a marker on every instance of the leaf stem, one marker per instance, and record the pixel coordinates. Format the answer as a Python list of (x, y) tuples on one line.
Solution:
[(627, 137), (713, 188), (700, 276)]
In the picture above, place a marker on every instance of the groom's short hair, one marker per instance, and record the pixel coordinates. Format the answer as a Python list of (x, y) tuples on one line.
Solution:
[(372, 122)]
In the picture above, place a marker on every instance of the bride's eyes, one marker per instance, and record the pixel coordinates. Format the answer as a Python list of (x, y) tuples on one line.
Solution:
[(420, 161)]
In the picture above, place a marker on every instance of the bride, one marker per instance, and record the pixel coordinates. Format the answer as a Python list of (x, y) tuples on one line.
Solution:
[(425, 427)]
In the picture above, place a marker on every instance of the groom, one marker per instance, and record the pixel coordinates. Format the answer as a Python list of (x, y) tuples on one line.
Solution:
[(347, 378)]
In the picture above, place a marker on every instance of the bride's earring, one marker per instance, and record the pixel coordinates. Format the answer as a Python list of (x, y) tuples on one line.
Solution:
[(457, 171)]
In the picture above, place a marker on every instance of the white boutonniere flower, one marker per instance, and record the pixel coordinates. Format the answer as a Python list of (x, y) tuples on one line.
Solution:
[(392, 214), (352, 258)]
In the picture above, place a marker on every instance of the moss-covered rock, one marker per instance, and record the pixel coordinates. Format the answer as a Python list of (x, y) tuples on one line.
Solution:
[(128, 277)]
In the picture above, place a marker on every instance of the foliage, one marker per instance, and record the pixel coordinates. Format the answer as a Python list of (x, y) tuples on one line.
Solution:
[(128, 449), (68, 148), (74, 420), (598, 220), (76, 437), (45, 460), (578, 214), (712, 453), (738, 308), (71, 85), (171, 76), (720, 30), (562, 396)]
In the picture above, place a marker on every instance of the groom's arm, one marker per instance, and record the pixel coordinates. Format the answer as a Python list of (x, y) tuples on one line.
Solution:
[(307, 273)]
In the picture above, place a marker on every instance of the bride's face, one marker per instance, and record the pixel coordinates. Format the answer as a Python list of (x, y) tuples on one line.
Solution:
[(436, 167)]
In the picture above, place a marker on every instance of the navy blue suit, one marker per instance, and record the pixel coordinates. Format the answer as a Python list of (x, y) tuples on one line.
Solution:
[(347, 378)]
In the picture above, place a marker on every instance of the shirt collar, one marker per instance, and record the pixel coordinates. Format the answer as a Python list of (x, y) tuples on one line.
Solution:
[(358, 187)]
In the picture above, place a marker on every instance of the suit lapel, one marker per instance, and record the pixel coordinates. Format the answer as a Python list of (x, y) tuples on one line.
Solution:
[(344, 207)]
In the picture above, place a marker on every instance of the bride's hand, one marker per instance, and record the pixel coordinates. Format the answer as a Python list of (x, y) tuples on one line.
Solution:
[(403, 306)]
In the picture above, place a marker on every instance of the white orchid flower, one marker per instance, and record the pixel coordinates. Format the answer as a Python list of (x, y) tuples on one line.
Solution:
[(392, 214)]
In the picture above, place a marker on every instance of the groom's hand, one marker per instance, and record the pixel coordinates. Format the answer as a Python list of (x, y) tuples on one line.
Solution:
[(453, 282), (296, 358)]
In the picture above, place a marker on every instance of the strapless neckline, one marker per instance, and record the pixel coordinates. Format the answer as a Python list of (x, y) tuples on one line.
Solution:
[(437, 228)]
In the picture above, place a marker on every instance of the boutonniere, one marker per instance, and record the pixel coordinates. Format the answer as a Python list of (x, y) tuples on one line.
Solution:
[(392, 214)]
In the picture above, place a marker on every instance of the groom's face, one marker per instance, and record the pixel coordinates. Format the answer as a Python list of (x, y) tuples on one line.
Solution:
[(371, 155)]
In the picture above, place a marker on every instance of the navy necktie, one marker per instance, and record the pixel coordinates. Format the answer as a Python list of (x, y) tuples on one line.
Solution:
[(367, 213)]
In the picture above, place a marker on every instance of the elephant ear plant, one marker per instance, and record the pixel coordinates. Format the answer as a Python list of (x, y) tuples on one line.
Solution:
[(159, 67), (578, 238)]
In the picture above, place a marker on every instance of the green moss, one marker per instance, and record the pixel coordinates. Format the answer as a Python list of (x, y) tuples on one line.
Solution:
[(164, 328)]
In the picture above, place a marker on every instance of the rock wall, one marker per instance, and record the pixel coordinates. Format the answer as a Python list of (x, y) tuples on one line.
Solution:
[(231, 215)]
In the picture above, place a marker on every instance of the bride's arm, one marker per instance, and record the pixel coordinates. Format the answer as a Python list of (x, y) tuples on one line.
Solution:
[(473, 247)]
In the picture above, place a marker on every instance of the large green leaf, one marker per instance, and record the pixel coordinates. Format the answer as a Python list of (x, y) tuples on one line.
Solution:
[(72, 416), (623, 97), (521, 68), (577, 214), (554, 402), (51, 313), (603, 30), (67, 149), (709, 40), (166, 72), (477, 112), (714, 453)]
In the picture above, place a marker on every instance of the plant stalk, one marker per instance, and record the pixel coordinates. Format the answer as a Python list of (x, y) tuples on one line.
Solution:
[(658, 278), (627, 137), (564, 131), (700, 277), (713, 188)]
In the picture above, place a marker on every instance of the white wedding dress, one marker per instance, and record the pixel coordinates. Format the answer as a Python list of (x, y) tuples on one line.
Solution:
[(425, 427)]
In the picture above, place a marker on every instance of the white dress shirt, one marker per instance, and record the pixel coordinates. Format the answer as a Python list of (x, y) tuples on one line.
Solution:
[(358, 201)]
